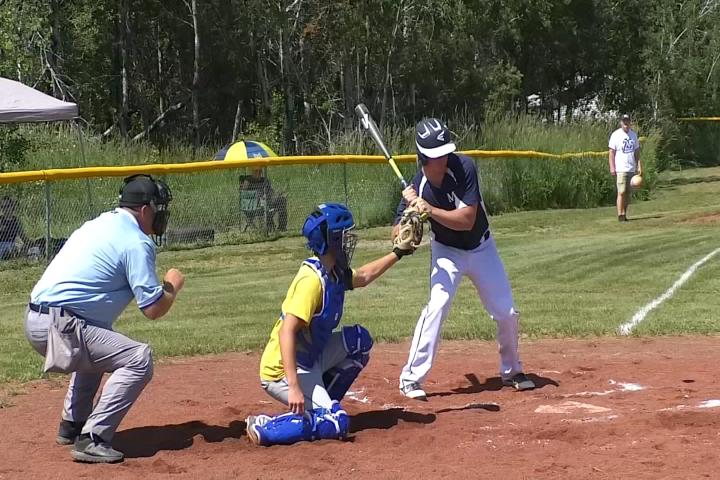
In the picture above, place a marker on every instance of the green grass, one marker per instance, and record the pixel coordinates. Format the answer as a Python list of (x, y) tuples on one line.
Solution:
[(574, 273)]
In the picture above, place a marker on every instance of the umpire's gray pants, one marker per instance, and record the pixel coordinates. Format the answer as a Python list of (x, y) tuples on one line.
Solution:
[(311, 381), (129, 361)]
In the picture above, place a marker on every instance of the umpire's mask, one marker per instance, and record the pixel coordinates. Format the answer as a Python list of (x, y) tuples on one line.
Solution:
[(139, 190)]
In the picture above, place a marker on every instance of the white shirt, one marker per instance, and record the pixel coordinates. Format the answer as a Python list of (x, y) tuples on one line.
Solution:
[(625, 145)]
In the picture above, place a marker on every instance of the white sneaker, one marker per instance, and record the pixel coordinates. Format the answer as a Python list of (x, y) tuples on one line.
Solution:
[(251, 424), (413, 390)]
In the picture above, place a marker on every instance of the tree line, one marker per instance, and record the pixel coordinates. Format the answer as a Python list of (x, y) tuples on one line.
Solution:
[(291, 71)]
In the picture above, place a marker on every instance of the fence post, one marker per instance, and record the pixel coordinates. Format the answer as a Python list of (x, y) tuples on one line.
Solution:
[(345, 184), (47, 221), (91, 208)]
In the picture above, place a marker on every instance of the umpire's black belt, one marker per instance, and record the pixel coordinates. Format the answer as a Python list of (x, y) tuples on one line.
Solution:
[(45, 309)]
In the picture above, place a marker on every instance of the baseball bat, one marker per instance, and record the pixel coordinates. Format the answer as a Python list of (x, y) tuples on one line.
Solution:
[(369, 124)]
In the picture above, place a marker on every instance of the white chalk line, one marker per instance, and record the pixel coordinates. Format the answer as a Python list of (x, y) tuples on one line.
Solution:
[(621, 387), (358, 395), (640, 315), (704, 404)]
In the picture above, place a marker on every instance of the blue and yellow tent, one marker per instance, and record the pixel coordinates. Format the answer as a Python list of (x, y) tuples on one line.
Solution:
[(244, 150)]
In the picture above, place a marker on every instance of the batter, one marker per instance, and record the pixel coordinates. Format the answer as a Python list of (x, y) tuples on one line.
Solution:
[(446, 188)]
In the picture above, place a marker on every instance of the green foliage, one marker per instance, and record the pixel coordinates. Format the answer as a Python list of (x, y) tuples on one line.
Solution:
[(13, 148), (269, 130), (295, 70)]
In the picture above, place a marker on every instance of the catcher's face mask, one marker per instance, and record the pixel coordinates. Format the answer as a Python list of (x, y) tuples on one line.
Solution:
[(343, 244)]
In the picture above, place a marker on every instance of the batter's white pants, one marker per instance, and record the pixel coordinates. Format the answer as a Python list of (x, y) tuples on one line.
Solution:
[(486, 271)]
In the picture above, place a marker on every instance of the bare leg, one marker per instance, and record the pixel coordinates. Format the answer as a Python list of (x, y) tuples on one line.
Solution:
[(622, 203)]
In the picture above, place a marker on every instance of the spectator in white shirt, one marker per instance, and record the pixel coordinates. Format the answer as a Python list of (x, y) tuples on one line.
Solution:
[(624, 160)]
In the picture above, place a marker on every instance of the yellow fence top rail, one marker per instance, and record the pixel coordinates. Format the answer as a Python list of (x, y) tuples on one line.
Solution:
[(699, 119), (162, 169)]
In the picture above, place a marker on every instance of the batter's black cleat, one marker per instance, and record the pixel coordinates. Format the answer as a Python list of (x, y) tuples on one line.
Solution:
[(413, 390), (93, 449), (68, 431), (519, 382)]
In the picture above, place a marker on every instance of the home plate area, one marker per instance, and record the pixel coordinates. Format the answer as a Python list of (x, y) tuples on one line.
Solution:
[(604, 408)]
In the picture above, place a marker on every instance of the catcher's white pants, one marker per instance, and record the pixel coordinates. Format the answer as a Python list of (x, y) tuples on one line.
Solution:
[(486, 271), (311, 381)]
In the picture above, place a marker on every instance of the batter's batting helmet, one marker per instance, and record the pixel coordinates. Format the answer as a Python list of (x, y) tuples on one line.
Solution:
[(328, 229), (432, 139)]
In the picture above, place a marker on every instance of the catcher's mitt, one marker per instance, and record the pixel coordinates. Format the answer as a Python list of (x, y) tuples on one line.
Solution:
[(410, 233)]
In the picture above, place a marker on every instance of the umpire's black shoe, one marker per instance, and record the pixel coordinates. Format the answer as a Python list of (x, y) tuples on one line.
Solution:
[(94, 450), (519, 382), (68, 431)]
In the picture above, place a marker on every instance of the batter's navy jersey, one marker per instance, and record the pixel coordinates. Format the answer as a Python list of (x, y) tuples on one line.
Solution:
[(459, 188)]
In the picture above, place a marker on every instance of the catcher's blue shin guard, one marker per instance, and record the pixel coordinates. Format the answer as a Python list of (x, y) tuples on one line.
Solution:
[(283, 429), (315, 424), (357, 342), (333, 423), (340, 378)]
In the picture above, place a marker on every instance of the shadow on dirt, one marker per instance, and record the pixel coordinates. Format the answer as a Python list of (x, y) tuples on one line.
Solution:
[(490, 407), (147, 441), (491, 384), (384, 419)]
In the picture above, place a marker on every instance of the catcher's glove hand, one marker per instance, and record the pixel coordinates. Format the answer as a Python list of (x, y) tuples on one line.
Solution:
[(409, 234)]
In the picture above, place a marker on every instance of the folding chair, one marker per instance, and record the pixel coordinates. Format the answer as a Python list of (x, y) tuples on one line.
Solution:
[(254, 207)]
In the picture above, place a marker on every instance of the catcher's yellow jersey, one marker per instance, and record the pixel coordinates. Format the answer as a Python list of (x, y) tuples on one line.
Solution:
[(303, 299)]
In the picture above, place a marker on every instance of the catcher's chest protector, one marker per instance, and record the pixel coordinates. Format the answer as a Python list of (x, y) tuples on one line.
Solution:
[(312, 341)]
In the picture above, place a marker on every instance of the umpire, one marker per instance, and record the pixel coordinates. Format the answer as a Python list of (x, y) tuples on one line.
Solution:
[(105, 263)]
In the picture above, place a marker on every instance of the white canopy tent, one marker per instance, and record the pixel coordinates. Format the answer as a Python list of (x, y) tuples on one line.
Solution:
[(20, 103)]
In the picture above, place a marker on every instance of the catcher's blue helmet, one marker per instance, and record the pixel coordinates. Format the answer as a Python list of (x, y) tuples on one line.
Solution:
[(327, 229)]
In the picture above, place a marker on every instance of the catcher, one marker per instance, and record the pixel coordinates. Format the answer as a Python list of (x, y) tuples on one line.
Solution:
[(307, 364)]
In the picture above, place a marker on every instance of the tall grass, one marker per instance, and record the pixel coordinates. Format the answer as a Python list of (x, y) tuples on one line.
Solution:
[(211, 199), (513, 184)]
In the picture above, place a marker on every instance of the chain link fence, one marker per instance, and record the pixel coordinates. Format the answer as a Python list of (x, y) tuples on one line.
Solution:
[(217, 207), (243, 204)]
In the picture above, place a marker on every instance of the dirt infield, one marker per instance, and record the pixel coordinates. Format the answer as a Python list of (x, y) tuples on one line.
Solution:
[(604, 409)]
